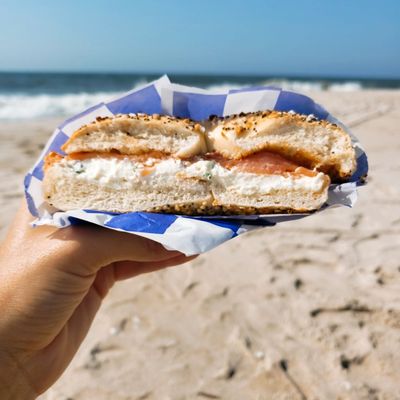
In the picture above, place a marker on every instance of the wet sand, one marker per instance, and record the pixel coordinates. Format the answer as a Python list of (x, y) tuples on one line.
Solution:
[(309, 309)]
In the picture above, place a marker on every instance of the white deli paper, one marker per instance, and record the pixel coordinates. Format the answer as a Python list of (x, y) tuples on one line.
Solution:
[(187, 234)]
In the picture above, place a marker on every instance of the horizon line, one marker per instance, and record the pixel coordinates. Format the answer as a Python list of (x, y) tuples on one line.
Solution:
[(203, 74)]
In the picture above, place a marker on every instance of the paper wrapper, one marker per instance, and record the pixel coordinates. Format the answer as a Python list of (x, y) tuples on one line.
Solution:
[(189, 235)]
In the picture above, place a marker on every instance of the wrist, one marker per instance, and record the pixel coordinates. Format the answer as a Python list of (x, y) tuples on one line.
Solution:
[(13, 380)]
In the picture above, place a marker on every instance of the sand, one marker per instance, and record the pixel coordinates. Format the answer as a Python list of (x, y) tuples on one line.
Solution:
[(309, 309)]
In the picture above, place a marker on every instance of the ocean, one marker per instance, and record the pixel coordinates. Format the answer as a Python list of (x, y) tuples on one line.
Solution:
[(37, 95)]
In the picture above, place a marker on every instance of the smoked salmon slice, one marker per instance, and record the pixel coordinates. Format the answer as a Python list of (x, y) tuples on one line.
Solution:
[(260, 163)]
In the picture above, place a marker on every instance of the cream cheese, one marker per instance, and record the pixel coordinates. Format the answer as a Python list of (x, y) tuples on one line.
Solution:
[(125, 173), (105, 171), (251, 184)]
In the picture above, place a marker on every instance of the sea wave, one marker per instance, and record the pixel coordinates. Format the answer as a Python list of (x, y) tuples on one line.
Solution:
[(20, 106), (29, 106), (296, 86), (315, 86)]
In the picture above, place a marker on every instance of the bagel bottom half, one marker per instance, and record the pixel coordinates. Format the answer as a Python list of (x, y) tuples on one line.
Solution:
[(200, 186)]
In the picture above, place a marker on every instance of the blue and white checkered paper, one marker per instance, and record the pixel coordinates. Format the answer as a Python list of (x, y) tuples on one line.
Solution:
[(190, 235)]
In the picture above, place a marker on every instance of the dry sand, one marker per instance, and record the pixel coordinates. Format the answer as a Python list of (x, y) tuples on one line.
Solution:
[(306, 310)]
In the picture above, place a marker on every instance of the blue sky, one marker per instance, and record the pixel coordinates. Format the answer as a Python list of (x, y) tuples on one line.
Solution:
[(359, 38)]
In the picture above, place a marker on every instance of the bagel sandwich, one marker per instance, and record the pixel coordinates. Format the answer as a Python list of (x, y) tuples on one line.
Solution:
[(254, 163)]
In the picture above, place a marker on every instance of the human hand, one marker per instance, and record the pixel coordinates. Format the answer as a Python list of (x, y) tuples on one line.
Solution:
[(52, 282)]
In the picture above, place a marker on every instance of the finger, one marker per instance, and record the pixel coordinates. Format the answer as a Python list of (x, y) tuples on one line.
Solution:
[(93, 245), (129, 269), (82, 250), (120, 246)]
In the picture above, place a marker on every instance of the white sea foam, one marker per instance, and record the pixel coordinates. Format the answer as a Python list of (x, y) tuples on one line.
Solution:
[(23, 106), (20, 106), (293, 85), (345, 87)]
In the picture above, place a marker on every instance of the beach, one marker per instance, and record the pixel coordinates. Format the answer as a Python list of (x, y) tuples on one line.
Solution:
[(308, 309)]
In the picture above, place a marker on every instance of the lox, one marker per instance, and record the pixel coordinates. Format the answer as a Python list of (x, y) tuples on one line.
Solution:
[(263, 162)]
